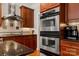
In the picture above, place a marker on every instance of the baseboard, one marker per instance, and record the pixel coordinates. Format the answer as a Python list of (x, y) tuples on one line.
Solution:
[(47, 53)]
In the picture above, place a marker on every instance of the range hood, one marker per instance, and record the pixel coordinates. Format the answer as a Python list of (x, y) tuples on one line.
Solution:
[(11, 21), (12, 17), (12, 13)]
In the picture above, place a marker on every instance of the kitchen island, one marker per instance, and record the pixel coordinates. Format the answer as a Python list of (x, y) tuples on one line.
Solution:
[(29, 40), (12, 48)]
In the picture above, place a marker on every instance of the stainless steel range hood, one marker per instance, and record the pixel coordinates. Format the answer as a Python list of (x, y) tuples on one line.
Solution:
[(12, 13), (11, 21), (12, 17)]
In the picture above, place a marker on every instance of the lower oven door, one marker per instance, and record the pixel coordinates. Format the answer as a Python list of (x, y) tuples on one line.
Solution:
[(53, 45), (50, 44)]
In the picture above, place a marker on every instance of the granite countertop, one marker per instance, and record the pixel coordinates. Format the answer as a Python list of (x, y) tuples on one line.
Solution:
[(10, 35), (12, 48), (15, 33)]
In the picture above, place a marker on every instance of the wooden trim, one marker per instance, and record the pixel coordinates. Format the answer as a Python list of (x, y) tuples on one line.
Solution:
[(62, 20), (26, 7), (66, 13)]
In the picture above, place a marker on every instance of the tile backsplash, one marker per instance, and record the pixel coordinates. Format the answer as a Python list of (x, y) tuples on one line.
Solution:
[(25, 30)]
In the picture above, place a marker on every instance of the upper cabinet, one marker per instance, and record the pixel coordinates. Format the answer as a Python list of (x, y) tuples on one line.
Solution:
[(47, 6), (73, 11), (0, 15), (69, 12), (28, 17)]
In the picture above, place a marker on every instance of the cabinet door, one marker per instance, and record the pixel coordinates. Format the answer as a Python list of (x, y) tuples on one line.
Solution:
[(28, 16), (33, 41), (47, 6), (73, 11), (30, 41)]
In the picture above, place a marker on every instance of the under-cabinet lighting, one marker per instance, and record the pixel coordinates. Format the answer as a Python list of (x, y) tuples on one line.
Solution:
[(63, 25), (74, 23)]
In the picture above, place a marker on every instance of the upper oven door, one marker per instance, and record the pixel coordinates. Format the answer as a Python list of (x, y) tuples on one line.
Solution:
[(50, 24)]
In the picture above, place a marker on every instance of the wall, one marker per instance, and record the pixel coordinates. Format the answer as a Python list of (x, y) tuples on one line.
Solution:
[(34, 6), (4, 9)]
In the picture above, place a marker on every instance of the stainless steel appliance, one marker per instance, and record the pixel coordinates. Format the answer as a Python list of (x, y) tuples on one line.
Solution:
[(71, 32), (50, 20), (11, 21), (50, 44), (49, 31)]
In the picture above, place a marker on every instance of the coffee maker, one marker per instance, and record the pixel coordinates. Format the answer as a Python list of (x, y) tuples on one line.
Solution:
[(71, 32)]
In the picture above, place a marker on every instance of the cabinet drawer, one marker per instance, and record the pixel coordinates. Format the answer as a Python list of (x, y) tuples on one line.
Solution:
[(65, 53), (68, 50)]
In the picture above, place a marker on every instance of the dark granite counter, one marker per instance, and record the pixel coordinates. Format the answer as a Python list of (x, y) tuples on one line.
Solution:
[(12, 48), (11, 35)]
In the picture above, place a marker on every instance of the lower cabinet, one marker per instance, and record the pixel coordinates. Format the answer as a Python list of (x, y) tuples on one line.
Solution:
[(69, 48), (30, 41), (27, 40)]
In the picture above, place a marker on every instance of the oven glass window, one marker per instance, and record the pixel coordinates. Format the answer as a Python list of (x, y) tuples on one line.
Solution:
[(47, 23), (51, 43), (44, 41)]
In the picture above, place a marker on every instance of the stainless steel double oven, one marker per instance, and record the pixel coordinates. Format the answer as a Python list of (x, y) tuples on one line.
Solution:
[(49, 30)]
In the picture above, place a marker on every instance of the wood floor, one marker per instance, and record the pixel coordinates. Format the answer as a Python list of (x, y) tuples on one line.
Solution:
[(35, 53)]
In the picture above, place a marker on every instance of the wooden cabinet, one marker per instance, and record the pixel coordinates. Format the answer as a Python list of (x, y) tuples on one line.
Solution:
[(27, 40), (30, 41), (69, 12), (28, 16), (69, 48), (0, 15), (47, 6), (73, 11)]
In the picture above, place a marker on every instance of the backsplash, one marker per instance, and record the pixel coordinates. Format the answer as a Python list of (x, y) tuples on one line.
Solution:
[(31, 30), (11, 25)]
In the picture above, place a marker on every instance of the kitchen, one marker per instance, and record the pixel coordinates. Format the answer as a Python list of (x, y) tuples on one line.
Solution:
[(39, 29), (18, 36)]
